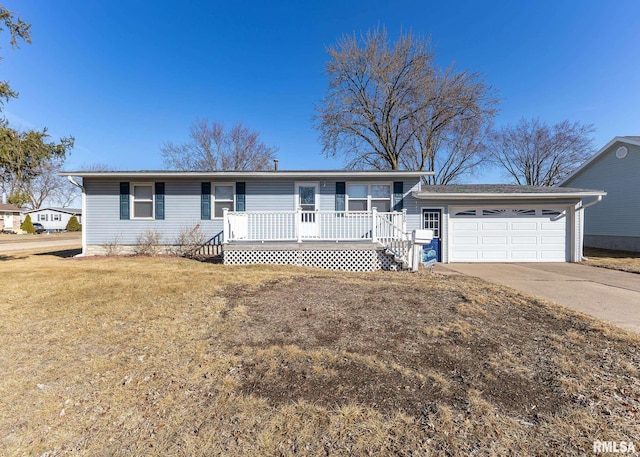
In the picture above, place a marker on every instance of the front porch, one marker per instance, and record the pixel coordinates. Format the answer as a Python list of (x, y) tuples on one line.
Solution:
[(338, 240)]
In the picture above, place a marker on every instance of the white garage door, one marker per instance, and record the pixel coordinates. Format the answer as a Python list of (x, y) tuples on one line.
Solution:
[(508, 235)]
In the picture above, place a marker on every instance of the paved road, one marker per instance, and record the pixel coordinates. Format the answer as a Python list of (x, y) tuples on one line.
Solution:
[(606, 294), (40, 243)]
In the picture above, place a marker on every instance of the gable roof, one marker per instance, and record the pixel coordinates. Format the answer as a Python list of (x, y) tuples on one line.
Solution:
[(501, 191), (632, 140), (302, 174), (60, 210), (6, 207)]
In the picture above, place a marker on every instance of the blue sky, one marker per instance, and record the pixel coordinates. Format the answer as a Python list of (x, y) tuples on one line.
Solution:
[(124, 76)]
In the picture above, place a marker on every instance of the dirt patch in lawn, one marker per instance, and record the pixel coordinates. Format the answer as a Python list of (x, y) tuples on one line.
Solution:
[(393, 343), (613, 260)]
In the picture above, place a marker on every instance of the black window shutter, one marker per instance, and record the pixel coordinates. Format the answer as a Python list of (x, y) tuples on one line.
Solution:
[(340, 191), (160, 200), (398, 193), (241, 199), (205, 201), (124, 201)]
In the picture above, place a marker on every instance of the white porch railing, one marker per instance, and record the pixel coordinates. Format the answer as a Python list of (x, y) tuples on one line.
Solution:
[(314, 225)]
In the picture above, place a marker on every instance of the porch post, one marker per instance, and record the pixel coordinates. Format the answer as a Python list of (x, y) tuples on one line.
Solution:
[(374, 225), (298, 223), (404, 220), (225, 225)]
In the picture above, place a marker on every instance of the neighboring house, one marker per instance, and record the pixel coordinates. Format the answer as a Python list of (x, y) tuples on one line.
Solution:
[(54, 219), (9, 218), (615, 223), (354, 220)]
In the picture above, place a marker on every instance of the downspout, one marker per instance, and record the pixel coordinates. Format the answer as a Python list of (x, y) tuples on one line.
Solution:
[(84, 215), (597, 200)]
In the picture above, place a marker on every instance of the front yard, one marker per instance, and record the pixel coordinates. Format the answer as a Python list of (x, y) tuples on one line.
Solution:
[(614, 260), (165, 356)]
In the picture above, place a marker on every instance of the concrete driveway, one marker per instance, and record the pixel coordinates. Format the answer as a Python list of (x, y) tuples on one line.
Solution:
[(610, 295)]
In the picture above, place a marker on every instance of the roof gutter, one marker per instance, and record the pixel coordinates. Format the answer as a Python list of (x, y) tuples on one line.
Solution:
[(421, 195), (248, 174)]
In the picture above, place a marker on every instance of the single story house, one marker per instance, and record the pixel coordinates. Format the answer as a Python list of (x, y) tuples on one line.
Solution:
[(54, 219), (615, 223), (9, 218), (355, 220)]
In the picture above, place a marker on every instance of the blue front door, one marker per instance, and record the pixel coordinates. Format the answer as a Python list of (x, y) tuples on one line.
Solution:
[(431, 219)]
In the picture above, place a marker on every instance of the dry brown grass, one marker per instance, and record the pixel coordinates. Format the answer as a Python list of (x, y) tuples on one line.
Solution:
[(613, 260), (167, 356)]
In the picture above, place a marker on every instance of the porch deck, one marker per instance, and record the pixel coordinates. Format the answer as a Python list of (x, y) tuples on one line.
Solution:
[(338, 240)]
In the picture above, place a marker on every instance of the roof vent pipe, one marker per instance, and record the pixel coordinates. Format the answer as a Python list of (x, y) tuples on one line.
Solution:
[(275, 164)]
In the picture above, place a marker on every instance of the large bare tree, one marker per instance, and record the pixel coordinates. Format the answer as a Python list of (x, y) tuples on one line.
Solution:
[(389, 106), (212, 147), (538, 154), (48, 188)]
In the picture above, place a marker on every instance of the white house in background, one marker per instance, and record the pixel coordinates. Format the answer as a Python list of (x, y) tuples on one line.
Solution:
[(351, 220), (54, 219), (9, 218), (615, 223)]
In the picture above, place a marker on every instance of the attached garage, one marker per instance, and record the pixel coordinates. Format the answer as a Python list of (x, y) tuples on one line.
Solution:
[(491, 234), (505, 223)]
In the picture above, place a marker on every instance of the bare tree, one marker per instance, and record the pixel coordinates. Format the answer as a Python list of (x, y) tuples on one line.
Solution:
[(211, 147), (389, 106), (46, 187), (537, 154)]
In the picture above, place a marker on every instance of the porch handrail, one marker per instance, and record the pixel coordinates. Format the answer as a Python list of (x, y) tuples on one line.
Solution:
[(311, 225), (394, 237)]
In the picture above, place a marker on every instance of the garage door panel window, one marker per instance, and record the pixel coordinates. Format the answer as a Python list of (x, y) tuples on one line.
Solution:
[(465, 213)]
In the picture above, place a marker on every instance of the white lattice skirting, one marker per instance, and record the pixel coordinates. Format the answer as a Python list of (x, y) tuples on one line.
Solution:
[(329, 259)]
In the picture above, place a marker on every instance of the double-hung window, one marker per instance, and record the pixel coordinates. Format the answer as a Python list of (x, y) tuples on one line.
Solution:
[(56, 217), (142, 201), (365, 197), (223, 198)]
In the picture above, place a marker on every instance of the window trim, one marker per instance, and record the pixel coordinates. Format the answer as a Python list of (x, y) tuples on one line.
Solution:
[(133, 200), (214, 200), (369, 198)]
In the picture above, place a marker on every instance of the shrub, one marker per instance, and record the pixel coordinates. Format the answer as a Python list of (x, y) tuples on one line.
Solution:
[(189, 241), (27, 225), (113, 247), (148, 243), (73, 225)]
